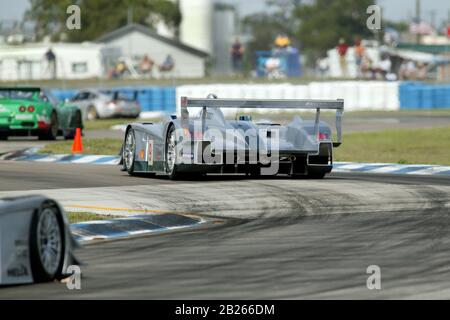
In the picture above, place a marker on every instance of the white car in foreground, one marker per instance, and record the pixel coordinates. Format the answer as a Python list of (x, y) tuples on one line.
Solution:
[(35, 240)]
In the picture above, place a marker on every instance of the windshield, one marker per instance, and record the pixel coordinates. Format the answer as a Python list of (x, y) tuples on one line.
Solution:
[(17, 94), (115, 95)]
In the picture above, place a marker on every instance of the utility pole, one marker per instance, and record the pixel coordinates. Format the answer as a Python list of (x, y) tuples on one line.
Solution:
[(418, 19), (130, 15), (433, 18)]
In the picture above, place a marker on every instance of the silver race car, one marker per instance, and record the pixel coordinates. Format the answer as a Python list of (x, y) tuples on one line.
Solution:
[(101, 104), (35, 240), (208, 143)]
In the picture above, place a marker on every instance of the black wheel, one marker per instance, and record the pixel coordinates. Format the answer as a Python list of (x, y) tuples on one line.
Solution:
[(92, 113), (171, 155), (78, 123), (52, 132), (316, 175), (3, 136), (47, 245), (254, 172), (129, 151)]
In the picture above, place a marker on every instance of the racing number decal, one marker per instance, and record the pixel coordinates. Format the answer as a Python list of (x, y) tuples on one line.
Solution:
[(150, 152)]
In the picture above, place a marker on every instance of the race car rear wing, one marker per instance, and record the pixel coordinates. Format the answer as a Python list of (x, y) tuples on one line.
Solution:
[(337, 105)]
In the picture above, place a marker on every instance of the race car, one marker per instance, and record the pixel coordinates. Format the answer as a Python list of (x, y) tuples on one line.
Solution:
[(34, 111), (103, 104), (208, 143), (35, 240)]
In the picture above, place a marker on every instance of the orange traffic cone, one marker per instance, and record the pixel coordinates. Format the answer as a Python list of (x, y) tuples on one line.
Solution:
[(77, 146)]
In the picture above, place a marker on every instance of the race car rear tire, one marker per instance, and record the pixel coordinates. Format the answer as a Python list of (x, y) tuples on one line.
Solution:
[(3, 136), (129, 151), (47, 247), (52, 132)]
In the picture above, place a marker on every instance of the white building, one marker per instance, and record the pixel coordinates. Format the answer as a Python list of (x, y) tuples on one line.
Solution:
[(134, 41), (28, 62)]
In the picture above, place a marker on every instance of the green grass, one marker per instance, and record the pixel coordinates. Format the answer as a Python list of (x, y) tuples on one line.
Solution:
[(76, 217), (421, 146), (100, 146)]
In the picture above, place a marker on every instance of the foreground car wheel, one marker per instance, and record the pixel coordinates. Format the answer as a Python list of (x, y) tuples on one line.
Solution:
[(129, 150), (3, 136), (69, 134), (52, 132), (46, 244)]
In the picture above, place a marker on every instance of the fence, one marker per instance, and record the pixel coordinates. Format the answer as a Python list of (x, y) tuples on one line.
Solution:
[(358, 95), (416, 95)]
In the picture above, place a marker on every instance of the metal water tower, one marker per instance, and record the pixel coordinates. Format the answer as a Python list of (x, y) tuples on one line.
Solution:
[(196, 27)]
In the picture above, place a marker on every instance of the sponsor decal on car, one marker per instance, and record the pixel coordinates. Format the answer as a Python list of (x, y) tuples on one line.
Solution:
[(18, 271), (150, 152), (3, 108)]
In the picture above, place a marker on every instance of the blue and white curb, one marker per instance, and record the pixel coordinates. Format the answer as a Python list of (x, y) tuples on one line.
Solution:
[(123, 228), (31, 155), (387, 168), (391, 168)]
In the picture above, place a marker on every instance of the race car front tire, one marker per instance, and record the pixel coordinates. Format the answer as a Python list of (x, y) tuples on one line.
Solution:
[(3, 136), (47, 247), (171, 156), (129, 151)]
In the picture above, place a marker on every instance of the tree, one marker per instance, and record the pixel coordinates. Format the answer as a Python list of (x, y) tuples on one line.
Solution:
[(98, 16), (324, 22)]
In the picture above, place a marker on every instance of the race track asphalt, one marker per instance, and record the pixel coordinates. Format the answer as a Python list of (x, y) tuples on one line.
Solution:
[(284, 238)]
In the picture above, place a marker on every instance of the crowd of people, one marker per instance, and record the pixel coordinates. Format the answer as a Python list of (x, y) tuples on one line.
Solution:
[(145, 67), (366, 68)]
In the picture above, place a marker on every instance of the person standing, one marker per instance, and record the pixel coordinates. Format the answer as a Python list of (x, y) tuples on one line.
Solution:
[(342, 48), (51, 63), (237, 53), (359, 54)]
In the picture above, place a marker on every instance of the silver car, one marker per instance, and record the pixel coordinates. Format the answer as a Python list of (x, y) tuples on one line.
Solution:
[(101, 104), (208, 143), (35, 240)]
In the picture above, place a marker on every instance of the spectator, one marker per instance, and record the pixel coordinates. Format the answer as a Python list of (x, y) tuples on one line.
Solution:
[(322, 66), (282, 41), (51, 63), (359, 54), (408, 70), (237, 53), (421, 71), (120, 69), (384, 66), (167, 65), (366, 66), (342, 52), (146, 66)]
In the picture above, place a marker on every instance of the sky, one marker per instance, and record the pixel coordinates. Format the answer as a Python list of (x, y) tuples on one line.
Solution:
[(392, 10)]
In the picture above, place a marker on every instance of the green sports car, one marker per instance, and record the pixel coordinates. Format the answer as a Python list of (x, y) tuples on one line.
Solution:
[(35, 111)]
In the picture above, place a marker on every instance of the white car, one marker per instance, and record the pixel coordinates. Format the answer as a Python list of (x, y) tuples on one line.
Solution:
[(101, 104)]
